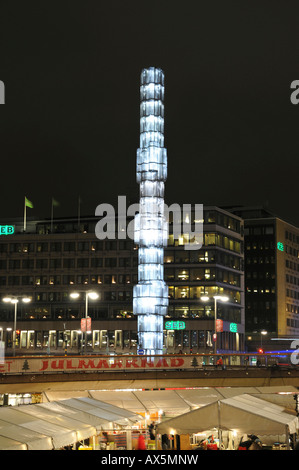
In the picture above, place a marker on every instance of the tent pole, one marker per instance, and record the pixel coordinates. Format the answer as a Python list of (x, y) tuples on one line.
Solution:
[(129, 439), (287, 437), (219, 426)]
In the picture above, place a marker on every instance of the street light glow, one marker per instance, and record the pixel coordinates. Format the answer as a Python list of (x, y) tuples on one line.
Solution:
[(14, 300), (93, 295), (223, 298), (74, 295)]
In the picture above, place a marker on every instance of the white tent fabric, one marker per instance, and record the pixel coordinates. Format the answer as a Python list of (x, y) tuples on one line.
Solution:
[(105, 412), (60, 435), (176, 402), (257, 414), (31, 439), (244, 414), (172, 402), (11, 444), (54, 425)]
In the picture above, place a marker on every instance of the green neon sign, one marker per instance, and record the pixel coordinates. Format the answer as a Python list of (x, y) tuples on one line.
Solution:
[(233, 327), (7, 229), (280, 246), (175, 325)]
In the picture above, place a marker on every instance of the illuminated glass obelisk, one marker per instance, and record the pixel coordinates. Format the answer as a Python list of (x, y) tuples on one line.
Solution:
[(150, 295)]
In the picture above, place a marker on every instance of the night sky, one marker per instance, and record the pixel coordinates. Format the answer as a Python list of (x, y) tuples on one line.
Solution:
[(70, 125)]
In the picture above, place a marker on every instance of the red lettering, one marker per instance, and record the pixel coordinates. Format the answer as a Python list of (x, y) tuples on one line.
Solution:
[(102, 364), (69, 364), (82, 364), (176, 361), (132, 362), (45, 365), (145, 361), (162, 363), (57, 364), (8, 363), (116, 362)]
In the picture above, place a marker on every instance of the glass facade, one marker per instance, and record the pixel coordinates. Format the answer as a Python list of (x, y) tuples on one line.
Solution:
[(48, 267)]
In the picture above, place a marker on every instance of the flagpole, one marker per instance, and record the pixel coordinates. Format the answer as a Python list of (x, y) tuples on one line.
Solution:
[(52, 216), (79, 202), (25, 214)]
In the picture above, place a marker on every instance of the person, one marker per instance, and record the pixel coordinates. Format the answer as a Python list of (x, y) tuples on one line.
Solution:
[(151, 429), (251, 442), (141, 442), (104, 440), (165, 442), (219, 362)]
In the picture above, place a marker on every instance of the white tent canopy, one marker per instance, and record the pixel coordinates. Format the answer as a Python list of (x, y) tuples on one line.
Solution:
[(54, 425), (172, 402), (244, 414)]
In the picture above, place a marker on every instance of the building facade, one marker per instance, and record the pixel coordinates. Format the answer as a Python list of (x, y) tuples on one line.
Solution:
[(271, 255), (47, 267)]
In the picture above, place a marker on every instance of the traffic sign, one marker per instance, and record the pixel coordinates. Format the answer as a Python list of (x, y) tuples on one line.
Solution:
[(140, 352)]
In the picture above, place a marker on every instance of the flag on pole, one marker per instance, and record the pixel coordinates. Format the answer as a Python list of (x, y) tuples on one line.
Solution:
[(28, 203), (54, 204), (79, 210)]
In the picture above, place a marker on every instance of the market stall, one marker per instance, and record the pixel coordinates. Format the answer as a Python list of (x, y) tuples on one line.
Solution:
[(57, 425), (243, 414)]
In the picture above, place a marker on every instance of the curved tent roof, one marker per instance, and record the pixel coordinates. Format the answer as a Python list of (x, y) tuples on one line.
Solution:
[(54, 425), (243, 413)]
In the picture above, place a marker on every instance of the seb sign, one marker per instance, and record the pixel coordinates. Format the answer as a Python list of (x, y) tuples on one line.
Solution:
[(7, 229)]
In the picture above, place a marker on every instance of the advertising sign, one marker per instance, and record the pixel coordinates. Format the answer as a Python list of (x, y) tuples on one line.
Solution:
[(219, 325), (85, 324)]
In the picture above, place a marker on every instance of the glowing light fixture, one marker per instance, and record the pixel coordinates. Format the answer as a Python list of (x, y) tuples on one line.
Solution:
[(74, 295), (150, 295)]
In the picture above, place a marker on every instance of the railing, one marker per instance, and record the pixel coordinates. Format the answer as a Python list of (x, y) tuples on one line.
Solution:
[(130, 363)]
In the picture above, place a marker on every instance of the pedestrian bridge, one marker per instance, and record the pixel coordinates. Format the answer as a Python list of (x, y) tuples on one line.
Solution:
[(36, 374)]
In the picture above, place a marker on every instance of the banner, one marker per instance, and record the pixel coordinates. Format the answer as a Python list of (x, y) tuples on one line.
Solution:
[(48, 364)]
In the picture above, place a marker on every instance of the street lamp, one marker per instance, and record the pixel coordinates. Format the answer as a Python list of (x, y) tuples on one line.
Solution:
[(89, 294), (222, 298), (14, 300), (263, 332)]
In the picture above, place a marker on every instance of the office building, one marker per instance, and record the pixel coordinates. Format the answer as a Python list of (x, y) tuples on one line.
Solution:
[(271, 247), (47, 267)]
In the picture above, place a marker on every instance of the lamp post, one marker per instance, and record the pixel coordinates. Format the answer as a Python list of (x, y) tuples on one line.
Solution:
[(89, 294), (263, 333), (14, 300), (222, 298)]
